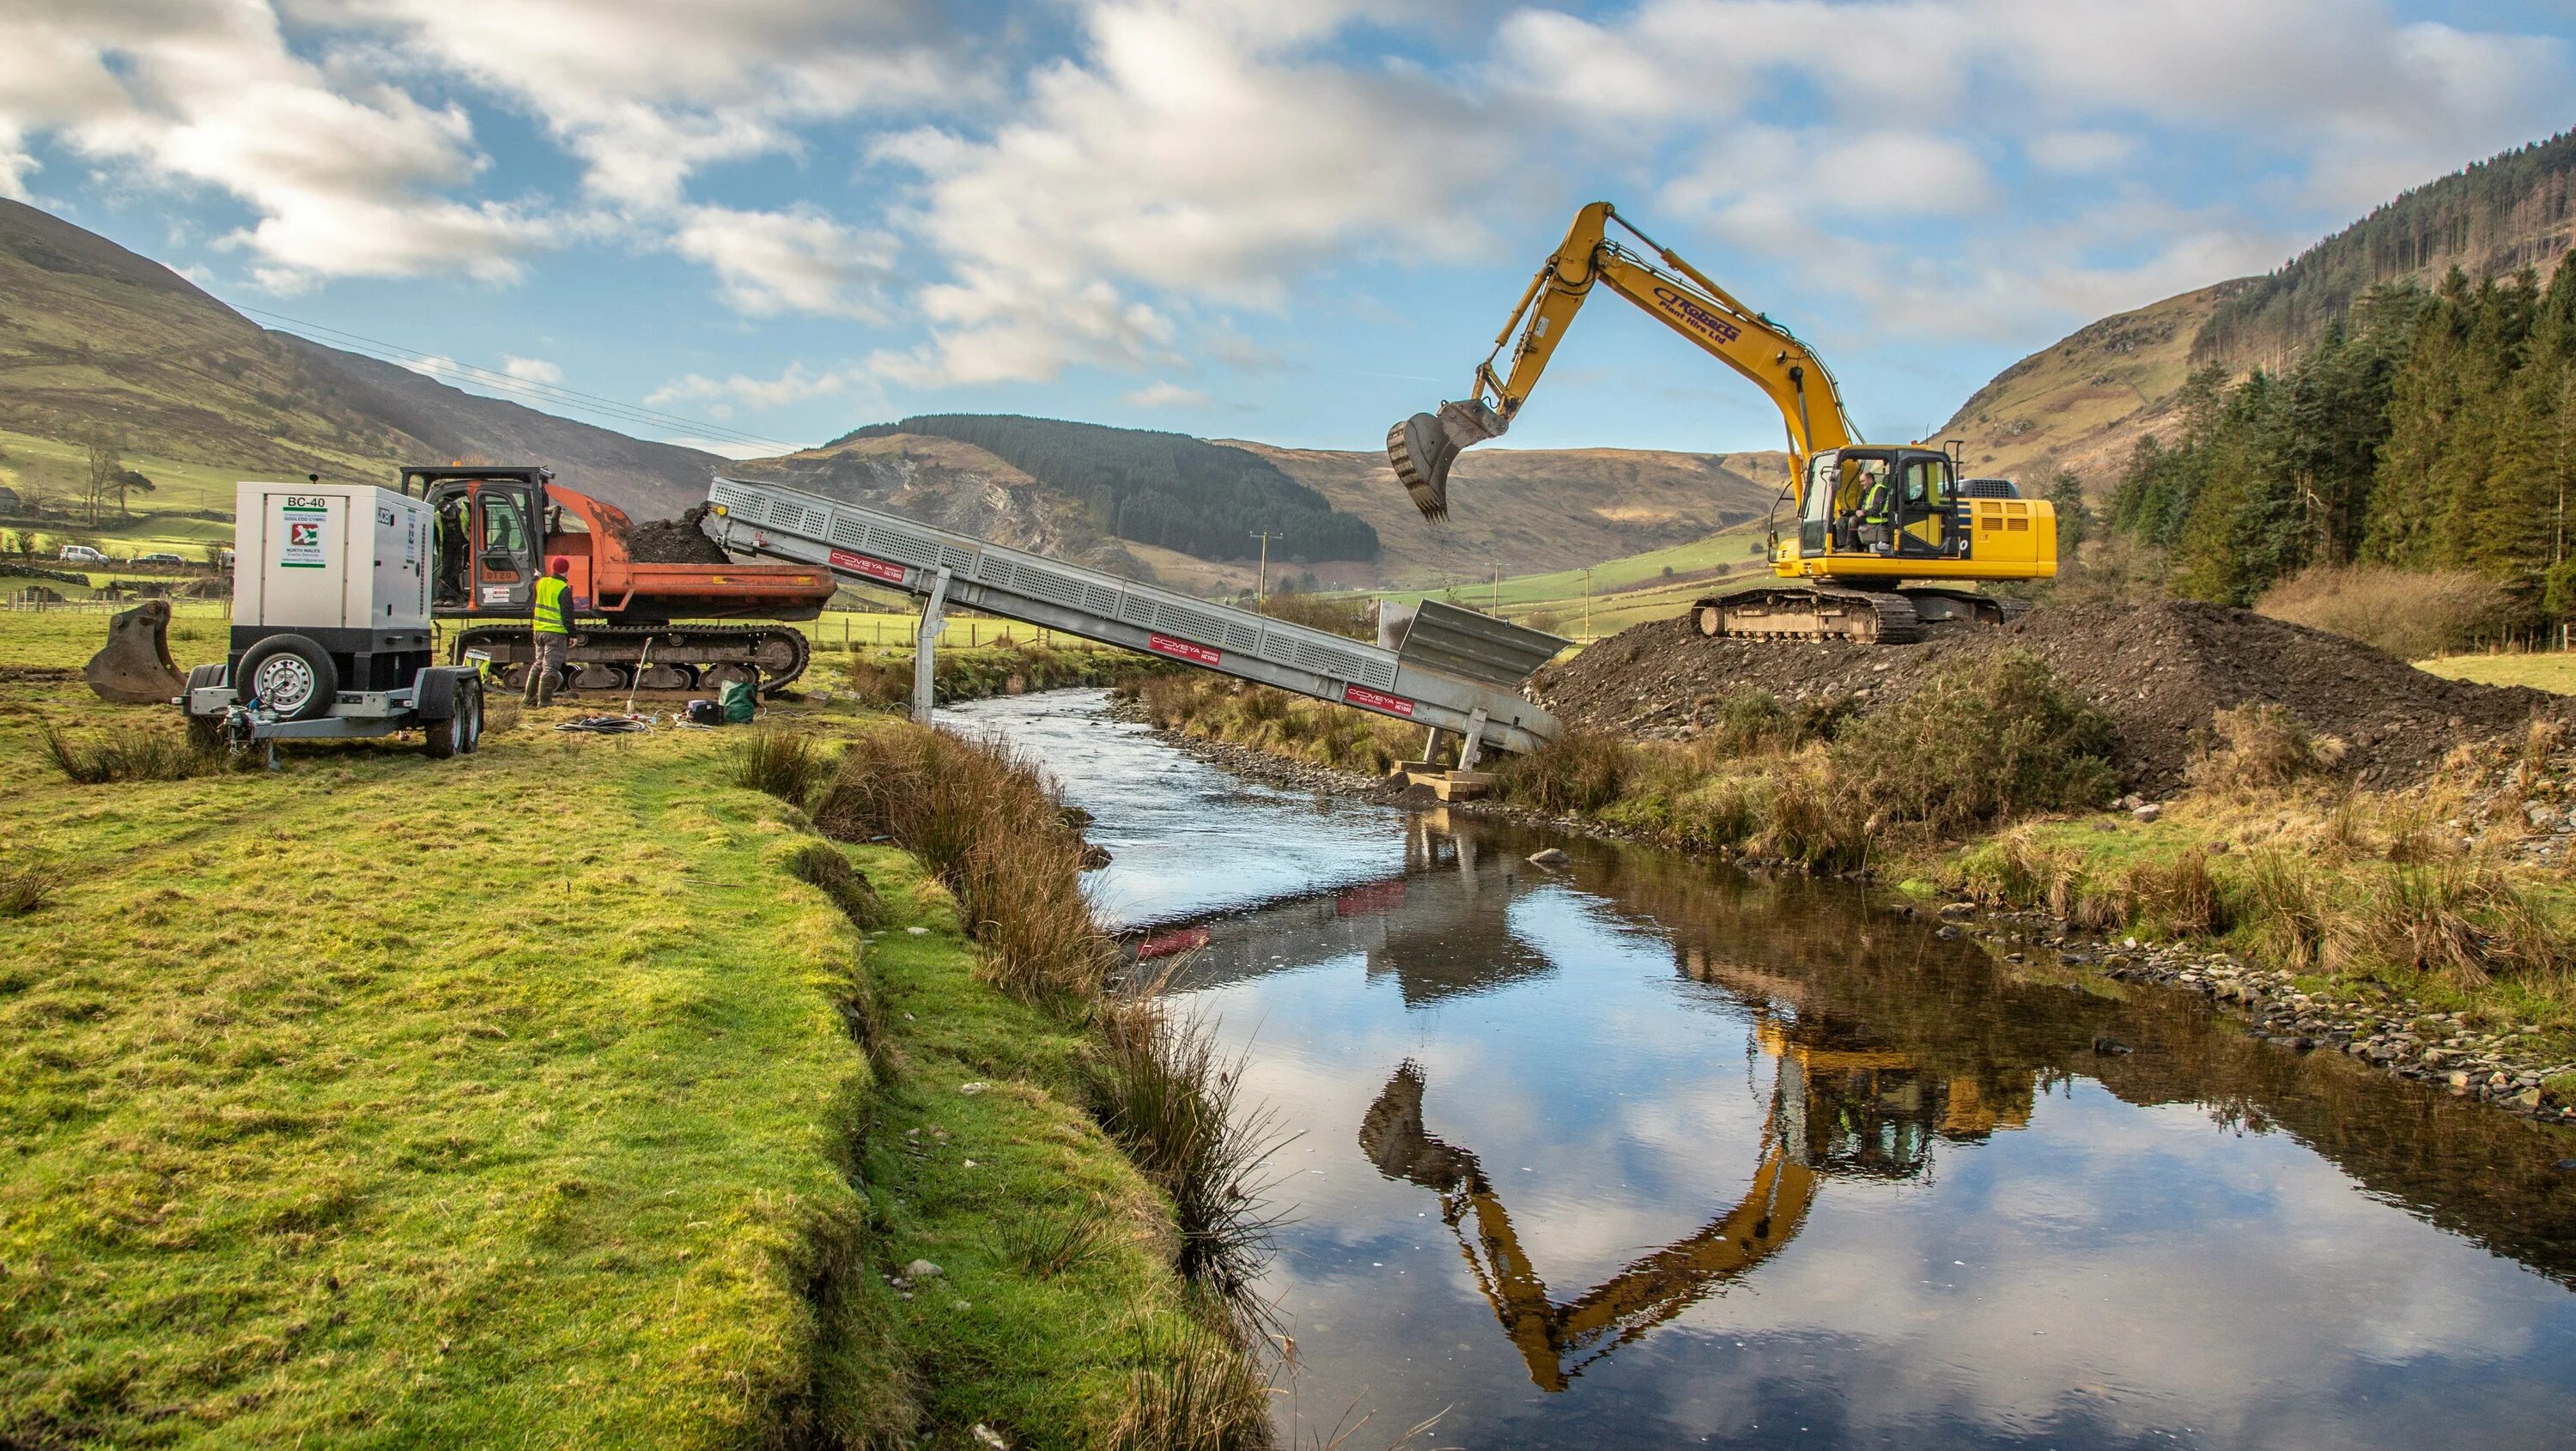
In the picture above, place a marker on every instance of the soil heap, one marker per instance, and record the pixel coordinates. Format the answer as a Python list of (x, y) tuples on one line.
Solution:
[(673, 541), (2159, 670)]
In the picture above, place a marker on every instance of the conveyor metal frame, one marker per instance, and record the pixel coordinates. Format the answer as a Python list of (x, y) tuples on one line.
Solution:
[(949, 569)]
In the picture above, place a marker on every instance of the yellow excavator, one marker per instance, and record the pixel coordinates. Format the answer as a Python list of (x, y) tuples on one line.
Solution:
[(1871, 521)]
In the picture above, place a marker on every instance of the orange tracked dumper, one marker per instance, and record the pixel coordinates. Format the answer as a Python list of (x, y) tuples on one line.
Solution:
[(661, 624)]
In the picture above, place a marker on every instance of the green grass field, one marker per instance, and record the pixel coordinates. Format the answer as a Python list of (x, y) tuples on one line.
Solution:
[(514, 1100), (2541, 669)]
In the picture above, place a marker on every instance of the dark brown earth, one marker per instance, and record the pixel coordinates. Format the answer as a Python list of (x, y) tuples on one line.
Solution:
[(672, 541), (2159, 670)]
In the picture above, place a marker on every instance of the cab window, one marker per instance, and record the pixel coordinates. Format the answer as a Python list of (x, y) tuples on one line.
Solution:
[(1927, 484), (505, 529)]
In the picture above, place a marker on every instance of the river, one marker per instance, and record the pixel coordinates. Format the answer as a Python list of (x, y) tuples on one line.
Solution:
[(1641, 1151)]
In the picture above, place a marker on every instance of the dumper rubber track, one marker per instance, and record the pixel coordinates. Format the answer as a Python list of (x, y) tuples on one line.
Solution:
[(1824, 612), (681, 657)]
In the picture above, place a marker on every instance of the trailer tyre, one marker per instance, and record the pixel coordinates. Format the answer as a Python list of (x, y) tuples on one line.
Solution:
[(441, 739), (291, 675), (469, 703)]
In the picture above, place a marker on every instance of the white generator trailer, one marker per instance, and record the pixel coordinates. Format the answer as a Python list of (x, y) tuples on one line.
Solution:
[(331, 633)]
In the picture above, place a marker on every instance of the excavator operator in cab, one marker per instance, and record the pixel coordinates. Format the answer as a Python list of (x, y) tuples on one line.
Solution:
[(1877, 509), (550, 631)]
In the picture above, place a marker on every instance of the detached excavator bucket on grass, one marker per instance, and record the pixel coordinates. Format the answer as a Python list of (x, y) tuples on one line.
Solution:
[(1424, 446), (135, 668)]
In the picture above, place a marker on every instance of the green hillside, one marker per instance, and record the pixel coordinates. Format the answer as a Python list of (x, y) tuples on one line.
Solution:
[(1165, 489), (100, 345), (2491, 219)]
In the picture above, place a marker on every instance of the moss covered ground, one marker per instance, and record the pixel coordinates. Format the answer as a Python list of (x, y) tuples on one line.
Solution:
[(520, 1099)]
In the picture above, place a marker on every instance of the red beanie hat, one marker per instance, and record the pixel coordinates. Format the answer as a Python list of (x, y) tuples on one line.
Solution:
[(559, 565)]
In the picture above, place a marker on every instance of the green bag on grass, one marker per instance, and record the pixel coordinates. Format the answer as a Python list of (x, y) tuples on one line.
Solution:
[(737, 702)]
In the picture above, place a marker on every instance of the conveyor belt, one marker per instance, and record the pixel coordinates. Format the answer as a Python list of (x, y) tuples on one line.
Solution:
[(888, 550)]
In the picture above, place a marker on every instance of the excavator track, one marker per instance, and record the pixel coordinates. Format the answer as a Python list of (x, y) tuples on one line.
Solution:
[(1824, 612), (666, 657)]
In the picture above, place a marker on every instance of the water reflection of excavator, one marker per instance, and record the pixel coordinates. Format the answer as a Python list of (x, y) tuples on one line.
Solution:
[(1837, 1109), (1871, 524)]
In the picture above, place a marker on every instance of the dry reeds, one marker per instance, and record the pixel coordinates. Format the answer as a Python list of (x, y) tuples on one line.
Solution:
[(782, 763), (1160, 1090), (1192, 1390), (2410, 614), (2261, 747), (1579, 771), (144, 756), (1047, 1244), (988, 824), (24, 889)]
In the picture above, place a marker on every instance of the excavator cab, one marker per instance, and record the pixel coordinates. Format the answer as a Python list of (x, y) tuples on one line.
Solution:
[(1892, 503)]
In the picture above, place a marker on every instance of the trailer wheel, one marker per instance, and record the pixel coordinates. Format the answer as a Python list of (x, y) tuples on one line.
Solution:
[(470, 701), (290, 675), (441, 739)]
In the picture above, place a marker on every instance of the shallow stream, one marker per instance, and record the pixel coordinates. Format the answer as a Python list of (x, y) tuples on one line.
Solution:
[(1640, 1151)]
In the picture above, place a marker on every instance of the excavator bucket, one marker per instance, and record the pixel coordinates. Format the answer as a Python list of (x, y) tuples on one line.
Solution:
[(1424, 446), (1421, 452), (135, 668)]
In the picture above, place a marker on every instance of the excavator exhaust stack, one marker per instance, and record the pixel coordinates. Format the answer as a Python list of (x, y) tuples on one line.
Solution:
[(1423, 447), (135, 668)]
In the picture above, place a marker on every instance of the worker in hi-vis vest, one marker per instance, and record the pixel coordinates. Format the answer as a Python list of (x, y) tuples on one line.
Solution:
[(550, 631)]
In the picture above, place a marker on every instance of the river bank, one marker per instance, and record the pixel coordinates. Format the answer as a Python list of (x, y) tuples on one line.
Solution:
[(1597, 1144), (2290, 903), (548, 1094)]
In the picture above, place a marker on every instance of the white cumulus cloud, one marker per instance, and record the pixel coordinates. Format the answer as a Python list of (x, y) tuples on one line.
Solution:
[(1162, 393), (531, 370)]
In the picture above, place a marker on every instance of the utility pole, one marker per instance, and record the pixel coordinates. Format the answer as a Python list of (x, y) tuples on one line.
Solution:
[(1261, 581), (1496, 609), (1587, 604)]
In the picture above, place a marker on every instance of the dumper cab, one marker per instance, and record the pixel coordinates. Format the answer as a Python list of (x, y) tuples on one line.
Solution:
[(492, 529)]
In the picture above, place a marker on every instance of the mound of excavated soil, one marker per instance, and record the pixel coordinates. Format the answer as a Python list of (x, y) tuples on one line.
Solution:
[(672, 541), (2160, 671)]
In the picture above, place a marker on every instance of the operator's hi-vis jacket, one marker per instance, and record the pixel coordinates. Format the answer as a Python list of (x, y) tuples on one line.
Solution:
[(553, 612)]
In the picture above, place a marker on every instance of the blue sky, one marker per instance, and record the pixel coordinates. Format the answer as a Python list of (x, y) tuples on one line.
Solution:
[(779, 219)]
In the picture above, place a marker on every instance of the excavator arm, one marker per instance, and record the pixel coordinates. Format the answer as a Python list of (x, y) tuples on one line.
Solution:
[(1425, 446)]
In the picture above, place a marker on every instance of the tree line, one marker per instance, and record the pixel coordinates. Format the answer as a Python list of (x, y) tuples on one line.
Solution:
[(1165, 489), (2427, 429)]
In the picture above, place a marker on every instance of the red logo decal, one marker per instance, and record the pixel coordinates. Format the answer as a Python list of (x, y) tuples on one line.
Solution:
[(1367, 699), (872, 568), (1182, 650)]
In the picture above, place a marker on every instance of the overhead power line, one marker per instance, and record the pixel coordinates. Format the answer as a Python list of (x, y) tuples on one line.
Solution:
[(523, 389)]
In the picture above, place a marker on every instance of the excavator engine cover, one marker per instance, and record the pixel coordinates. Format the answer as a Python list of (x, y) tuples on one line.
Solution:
[(135, 668)]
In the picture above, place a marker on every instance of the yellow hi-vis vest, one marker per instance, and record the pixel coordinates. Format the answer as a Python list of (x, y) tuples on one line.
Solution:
[(554, 606)]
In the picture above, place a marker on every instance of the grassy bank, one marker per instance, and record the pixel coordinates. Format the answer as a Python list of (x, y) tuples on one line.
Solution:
[(550, 1096), (881, 677), (1994, 784)]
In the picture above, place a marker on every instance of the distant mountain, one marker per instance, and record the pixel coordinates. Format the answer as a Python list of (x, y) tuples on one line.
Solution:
[(94, 336), (2083, 401), (1169, 490), (953, 485), (1534, 510)]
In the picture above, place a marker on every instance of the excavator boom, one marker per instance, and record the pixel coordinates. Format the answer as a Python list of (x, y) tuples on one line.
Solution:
[(1424, 447)]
